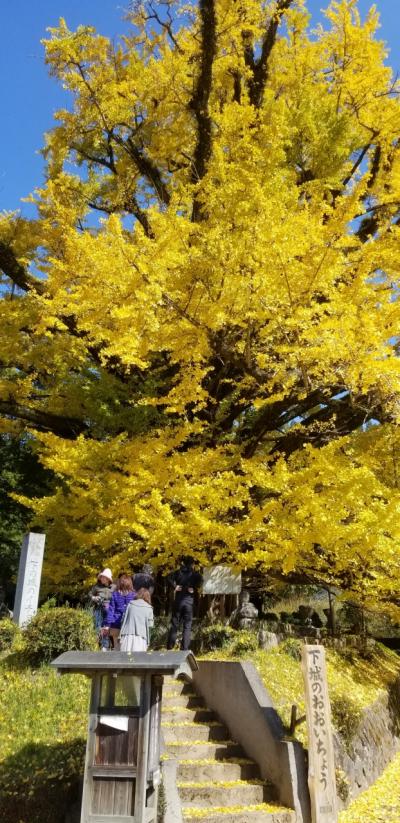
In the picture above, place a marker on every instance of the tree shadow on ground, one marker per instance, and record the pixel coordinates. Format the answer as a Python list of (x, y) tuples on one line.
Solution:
[(14, 661), (42, 783)]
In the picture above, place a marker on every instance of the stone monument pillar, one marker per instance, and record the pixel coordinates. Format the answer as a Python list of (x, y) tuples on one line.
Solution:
[(29, 575)]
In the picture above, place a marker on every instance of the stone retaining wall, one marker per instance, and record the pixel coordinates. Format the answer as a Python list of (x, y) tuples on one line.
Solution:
[(373, 746)]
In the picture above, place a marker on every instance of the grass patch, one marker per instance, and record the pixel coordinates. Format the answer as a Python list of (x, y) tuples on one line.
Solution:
[(43, 721)]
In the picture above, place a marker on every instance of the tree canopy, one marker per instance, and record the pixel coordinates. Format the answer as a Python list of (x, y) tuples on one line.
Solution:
[(199, 328)]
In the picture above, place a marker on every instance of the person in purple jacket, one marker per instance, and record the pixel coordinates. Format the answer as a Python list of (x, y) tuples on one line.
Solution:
[(120, 598)]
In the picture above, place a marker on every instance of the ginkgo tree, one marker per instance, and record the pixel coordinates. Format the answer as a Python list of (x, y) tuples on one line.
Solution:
[(199, 328)]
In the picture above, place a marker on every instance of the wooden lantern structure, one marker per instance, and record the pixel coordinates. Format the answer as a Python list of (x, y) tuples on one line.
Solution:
[(122, 767)]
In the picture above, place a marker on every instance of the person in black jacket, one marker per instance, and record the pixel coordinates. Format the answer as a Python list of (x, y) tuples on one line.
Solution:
[(144, 579), (184, 581)]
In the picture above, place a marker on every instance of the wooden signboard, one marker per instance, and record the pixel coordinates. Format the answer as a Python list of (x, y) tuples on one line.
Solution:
[(222, 580), (321, 768)]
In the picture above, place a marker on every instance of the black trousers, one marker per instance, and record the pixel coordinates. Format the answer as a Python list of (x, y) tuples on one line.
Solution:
[(182, 613)]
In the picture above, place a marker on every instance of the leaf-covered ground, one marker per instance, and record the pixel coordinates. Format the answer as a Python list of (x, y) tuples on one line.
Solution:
[(381, 802), (43, 720)]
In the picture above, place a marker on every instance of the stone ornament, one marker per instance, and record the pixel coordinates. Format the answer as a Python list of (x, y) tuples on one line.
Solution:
[(245, 616)]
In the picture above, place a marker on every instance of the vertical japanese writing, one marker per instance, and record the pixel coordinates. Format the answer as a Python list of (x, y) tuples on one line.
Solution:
[(320, 744), (29, 575)]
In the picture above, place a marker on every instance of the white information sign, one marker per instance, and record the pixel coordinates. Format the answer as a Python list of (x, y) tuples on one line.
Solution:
[(115, 721), (222, 580), (29, 576), (321, 768)]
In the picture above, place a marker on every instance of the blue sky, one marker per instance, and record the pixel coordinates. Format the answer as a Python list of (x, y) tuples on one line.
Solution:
[(28, 97)]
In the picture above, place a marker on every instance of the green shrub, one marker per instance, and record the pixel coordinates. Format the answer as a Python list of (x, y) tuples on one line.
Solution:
[(159, 633), (292, 647), (244, 642), (346, 718), (213, 637), (50, 603), (54, 631), (342, 785), (8, 633)]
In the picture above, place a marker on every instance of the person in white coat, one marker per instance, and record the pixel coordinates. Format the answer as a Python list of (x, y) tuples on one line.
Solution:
[(137, 622)]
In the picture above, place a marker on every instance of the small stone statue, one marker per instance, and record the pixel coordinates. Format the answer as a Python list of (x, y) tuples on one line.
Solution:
[(245, 616)]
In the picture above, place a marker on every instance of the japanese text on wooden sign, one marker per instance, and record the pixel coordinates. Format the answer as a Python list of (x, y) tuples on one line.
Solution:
[(321, 770)]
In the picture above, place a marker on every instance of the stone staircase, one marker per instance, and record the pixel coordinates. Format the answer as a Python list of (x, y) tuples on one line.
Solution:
[(216, 782)]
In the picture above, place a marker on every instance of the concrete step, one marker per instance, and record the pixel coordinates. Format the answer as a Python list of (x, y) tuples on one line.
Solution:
[(192, 750), (186, 731), (262, 813), (223, 793), (186, 700), (178, 687), (203, 770), (181, 713), (216, 782)]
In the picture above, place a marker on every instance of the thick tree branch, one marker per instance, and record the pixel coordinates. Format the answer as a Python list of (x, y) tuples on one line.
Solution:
[(260, 67), (321, 406), (147, 169), (201, 95), (369, 226), (375, 166), (18, 273), (130, 207), (98, 160), (343, 417), (141, 216), (144, 165), (275, 416), (68, 427)]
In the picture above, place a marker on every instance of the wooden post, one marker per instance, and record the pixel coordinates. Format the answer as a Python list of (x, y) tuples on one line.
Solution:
[(90, 745), (321, 768), (143, 751), (332, 614)]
